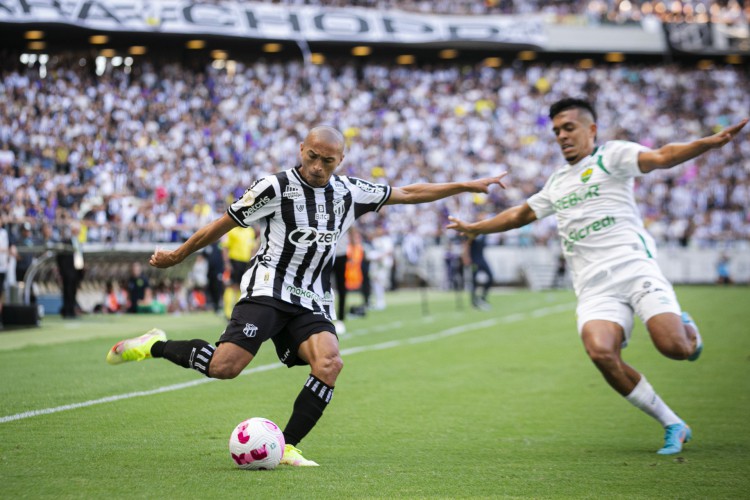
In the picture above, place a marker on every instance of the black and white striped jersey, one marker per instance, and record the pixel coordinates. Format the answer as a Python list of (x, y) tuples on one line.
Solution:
[(299, 228)]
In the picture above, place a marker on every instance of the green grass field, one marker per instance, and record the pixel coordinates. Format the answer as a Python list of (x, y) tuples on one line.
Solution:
[(458, 403)]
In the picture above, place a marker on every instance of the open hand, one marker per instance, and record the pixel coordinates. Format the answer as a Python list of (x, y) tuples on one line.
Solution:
[(483, 185), (721, 138), (459, 225)]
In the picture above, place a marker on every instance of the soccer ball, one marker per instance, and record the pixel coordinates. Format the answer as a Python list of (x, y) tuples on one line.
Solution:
[(256, 444)]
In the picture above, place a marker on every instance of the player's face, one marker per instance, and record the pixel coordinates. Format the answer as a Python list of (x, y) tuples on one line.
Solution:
[(575, 132), (319, 159)]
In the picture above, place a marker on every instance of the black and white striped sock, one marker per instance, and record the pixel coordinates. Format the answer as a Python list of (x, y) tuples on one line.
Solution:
[(308, 408), (195, 354), (319, 389), (200, 358)]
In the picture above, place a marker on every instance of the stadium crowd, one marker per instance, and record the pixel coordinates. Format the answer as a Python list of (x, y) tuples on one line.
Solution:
[(154, 154), (732, 12)]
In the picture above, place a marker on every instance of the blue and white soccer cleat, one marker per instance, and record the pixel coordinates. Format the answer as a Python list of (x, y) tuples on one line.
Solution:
[(687, 320), (674, 437)]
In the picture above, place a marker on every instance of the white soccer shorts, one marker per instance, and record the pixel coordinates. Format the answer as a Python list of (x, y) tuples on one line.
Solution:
[(636, 286)]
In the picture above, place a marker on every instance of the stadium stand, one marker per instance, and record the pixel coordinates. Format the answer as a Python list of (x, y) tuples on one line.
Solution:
[(143, 150), (153, 154)]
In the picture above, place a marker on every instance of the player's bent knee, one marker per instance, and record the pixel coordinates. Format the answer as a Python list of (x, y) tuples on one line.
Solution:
[(224, 370), (602, 357), (327, 368), (674, 348)]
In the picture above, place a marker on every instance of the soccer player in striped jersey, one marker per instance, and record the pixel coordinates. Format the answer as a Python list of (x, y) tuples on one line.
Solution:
[(609, 253), (286, 291)]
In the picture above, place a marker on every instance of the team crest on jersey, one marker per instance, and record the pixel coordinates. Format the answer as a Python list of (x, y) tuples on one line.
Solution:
[(321, 214), (292, 192), (586, 175), (300, 207), (338, 208), (248, 198)]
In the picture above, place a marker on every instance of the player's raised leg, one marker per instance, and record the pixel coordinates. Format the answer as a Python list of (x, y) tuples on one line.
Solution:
[(225, 362)]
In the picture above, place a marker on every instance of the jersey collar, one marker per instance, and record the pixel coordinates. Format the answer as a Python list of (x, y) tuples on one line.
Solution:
[(580, 162), (302, 181)]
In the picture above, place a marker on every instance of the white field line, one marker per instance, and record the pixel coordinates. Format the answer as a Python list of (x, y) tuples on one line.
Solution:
[(544, 311)]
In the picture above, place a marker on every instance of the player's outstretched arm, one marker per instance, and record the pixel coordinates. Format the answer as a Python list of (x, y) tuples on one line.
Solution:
[(426, 192), (675, 153), (507, 219), (202, 237)]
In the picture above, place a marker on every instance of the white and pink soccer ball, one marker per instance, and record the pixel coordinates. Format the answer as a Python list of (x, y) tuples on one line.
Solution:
[(256, 444)]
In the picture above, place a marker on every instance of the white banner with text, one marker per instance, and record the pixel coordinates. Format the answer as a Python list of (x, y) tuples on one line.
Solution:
[(270, 21)]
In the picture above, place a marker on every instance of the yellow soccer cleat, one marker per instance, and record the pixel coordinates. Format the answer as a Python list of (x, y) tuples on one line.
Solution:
[(135, 349), (292, 456)]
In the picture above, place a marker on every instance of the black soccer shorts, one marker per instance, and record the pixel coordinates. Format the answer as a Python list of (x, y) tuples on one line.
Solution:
[(257, 319), (238, 269)]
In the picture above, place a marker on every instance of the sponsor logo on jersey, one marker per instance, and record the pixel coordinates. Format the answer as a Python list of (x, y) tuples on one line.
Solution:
[(582, 233), (321, 214), (327, 298), (250, 330), (577, 197), (255, 207), (368, 187), (306, 236), (292, 192), (586, 175)]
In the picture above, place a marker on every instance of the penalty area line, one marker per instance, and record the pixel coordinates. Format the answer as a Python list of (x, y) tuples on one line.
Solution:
[(449, 332)]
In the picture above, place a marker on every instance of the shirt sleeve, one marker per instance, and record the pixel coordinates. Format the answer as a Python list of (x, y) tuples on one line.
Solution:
[(620, 158), (366, 196), (541, 202), (258, 202)]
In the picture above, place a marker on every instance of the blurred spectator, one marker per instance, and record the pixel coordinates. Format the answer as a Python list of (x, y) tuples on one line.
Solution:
[(112, 300), (6, 251), (481, 274), (26, 240), (722, 270), (140, 294), (454, 263), (215, 273), (381, 265), (357, 273), (339, 282), (238, 248), (70, 265)]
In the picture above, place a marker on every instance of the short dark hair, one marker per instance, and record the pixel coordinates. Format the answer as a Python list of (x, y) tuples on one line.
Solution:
[(571, 103)]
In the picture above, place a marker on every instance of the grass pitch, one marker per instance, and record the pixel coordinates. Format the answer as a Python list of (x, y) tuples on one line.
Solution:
[(456, 403)]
